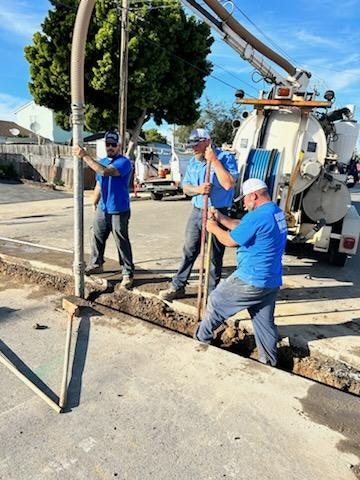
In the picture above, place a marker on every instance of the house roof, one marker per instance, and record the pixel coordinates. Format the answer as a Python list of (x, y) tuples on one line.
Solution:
[(25, 106), (6, 126), (94, 136)]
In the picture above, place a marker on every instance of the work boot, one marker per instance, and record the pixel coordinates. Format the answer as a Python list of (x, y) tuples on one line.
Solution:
[(93, 269), (127, 281), (171, 293)]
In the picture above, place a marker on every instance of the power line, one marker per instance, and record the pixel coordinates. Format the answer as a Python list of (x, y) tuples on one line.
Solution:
[(234, 76)]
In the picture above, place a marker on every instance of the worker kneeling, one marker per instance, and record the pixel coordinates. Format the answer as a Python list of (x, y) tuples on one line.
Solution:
[(260, 238)]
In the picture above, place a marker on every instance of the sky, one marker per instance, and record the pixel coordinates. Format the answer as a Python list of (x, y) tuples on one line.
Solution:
[(322, 36)]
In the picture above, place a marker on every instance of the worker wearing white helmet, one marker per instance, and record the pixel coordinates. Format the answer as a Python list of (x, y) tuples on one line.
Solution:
[(260, 239)]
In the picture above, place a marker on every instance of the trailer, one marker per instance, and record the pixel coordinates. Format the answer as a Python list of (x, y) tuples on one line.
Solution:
[(294, 142)]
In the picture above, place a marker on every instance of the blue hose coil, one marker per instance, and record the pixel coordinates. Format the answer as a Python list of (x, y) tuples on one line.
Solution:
[(263, 164)]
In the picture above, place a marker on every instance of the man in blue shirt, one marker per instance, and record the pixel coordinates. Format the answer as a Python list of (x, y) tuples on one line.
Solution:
[(223, 175), (260, 239), (112, 204)]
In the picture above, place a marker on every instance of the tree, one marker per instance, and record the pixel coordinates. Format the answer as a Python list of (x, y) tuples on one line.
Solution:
[(161, 84), (218, 118), (152, 135), (182, 133)]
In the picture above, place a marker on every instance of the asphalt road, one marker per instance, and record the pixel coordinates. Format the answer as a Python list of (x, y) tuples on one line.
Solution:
[(18, 192)]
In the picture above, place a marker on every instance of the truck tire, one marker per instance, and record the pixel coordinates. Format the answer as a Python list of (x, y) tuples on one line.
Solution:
[(335, 257), (156, 196)]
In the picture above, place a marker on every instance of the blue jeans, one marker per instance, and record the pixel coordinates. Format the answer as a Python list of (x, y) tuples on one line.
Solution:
[(118, 224), (191, 251), (232, 296)]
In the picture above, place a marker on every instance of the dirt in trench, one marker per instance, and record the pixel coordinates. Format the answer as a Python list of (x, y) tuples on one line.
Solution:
[(150, 309), (16, 273), (237, 340)]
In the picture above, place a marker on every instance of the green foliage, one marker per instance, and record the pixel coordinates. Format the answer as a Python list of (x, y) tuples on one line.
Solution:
[(182, 133), (161, 84), (217, 119), (152, 135)]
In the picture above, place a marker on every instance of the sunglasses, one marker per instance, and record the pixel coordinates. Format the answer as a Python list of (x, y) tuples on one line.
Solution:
[(195, 141), (113, 145)]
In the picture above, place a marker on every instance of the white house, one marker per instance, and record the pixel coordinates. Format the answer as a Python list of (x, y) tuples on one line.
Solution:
[(41, 120)]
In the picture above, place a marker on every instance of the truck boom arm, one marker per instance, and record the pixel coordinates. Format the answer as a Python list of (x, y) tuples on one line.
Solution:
[(248, 46)]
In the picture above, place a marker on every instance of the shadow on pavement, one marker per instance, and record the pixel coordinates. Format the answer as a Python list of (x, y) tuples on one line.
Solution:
[(308, 294), (5, 312), (79, 360)]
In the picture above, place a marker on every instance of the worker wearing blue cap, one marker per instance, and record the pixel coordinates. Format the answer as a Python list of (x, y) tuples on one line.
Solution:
[(220, 188), (112, 204)]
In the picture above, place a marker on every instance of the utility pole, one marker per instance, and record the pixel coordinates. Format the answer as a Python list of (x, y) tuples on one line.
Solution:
[(123, 80)]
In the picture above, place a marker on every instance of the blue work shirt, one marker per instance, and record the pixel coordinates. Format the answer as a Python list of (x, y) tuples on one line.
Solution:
[(115, 197), (195, 175), (261, 236)]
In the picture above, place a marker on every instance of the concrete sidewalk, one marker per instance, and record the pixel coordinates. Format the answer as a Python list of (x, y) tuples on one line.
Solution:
[(147, 403)]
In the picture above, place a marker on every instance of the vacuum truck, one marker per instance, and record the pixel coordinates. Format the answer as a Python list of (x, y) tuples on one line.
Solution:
[(294, 142)]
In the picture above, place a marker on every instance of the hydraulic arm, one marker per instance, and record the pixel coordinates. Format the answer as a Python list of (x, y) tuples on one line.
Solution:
[(248, 46)]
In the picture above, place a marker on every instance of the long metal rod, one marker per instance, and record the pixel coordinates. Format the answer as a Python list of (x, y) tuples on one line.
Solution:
[(77, 106), (29, 384), (202, 244), (79, 266), (36, 245), (209, 243), (64, 383)]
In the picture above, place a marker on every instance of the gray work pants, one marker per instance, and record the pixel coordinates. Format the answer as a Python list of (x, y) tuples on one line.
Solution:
[(118, 224), (191, 251)]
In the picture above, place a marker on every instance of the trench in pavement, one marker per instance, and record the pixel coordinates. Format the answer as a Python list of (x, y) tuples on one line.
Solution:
[(234, 338)]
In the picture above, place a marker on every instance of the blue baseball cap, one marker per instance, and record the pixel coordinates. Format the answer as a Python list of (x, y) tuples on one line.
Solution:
[(112, 137)]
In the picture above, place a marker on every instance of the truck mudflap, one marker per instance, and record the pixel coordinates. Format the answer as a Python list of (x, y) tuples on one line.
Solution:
[(350, 232)]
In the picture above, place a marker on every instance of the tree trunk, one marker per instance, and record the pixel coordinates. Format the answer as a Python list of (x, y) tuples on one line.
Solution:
[(135, 135)]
